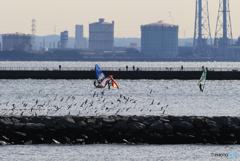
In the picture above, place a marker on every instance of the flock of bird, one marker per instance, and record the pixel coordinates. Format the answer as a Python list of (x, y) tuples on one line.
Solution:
[(101, 102)]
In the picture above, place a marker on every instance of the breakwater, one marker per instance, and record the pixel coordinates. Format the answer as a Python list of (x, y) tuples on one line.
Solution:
[(184, 75), (119, 129)]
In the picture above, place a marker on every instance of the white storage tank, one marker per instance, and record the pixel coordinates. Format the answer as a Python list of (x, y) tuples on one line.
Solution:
[(159, 39), (101, 35)]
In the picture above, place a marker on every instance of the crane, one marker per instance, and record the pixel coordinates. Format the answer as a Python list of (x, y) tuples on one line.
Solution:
[(171, 17)]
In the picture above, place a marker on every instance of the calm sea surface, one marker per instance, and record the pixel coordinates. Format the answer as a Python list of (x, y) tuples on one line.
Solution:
[(135, 97)]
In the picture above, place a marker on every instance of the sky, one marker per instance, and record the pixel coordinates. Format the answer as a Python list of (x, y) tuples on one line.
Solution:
[(128, 15)]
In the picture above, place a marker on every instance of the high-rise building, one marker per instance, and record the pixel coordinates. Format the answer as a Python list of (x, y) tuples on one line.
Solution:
[(101, 35), (16, 41), (79, 40), (64, 40)]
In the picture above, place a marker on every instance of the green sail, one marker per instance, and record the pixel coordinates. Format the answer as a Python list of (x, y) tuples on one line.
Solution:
[(203, 77)]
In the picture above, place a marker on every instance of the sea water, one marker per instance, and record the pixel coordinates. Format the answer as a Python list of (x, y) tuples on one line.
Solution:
[(135, 97)]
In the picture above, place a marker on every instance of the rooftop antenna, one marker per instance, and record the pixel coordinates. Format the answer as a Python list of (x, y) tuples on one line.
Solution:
[(33, 34)]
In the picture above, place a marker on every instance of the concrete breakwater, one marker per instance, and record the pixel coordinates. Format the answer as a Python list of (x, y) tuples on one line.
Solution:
[(184, 75), (119, 129)]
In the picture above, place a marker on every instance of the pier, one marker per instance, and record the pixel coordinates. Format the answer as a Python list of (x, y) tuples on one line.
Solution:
[(118, 73)]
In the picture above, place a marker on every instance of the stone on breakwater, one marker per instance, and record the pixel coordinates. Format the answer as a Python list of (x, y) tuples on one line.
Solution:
[(6, 122), (49, 122), (91, 122), (32, 126), (232, 122), (212, 124), (108, 119), (181, 125), (136, 126), (66, 121), (198, 122), (157, 125), (121, 125), (81, 125)]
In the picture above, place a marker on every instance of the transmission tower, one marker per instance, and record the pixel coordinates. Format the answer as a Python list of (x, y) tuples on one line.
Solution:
[(202, 40), (223, 34), (33, 34)]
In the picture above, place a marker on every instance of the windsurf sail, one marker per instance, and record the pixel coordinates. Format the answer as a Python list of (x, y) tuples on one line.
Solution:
[(105, 81), (203, 78), (99, 74)]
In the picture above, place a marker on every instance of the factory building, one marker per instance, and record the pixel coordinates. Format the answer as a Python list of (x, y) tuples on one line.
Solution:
[(16, 41), (159, 39), (79, 39), (101, 35), (64, 40)]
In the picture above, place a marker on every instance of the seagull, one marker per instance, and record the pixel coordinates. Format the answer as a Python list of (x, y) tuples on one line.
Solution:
[(69, 106), (152, 102), (13, 106), (102, 92), (82, 104), (117, 112)]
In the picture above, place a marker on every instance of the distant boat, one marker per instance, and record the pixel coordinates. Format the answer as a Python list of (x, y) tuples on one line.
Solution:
[(103, 80)]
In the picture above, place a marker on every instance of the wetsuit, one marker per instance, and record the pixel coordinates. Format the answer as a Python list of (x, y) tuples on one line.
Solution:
[(200, 86)]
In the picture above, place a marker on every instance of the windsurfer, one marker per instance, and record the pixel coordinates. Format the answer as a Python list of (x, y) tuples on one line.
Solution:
[(109, 84), (95, 83), (200, 86)]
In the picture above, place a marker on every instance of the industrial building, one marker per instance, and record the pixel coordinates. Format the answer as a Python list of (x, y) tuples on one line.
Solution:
[(79, 40), (64, 40), (16, 41), (159, 39), (101, 35)]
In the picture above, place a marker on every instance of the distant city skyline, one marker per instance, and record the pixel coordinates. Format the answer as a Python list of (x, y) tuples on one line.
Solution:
[(16, 16)]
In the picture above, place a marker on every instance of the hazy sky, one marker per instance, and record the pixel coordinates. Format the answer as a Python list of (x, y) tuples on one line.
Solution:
[(129, 15)]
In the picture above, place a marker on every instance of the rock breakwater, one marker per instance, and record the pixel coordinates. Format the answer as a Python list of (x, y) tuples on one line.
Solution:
[(119, 129)]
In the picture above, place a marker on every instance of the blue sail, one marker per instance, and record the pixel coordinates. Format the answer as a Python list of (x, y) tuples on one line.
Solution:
[(99, 73)]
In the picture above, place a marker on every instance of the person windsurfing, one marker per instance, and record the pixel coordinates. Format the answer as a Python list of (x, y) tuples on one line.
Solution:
[(102, 80), (109, 84), (202, 79), (95, 83), (200, 87)]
